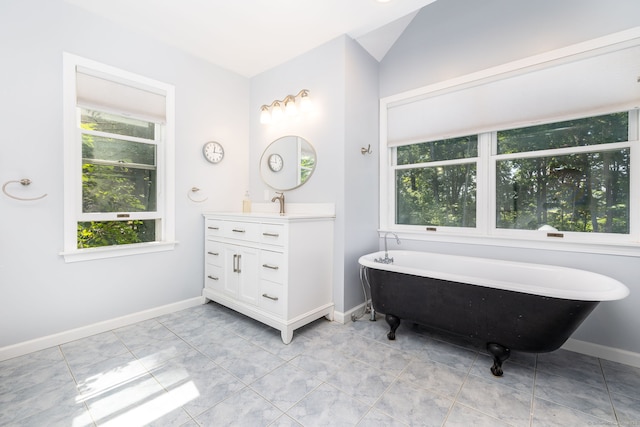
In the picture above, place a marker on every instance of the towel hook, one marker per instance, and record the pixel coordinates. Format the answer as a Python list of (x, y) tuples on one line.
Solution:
[(24, 181), (195, 190)]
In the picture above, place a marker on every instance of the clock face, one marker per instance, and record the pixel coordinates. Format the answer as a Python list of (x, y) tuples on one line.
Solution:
[(213, 152), (275, 162)]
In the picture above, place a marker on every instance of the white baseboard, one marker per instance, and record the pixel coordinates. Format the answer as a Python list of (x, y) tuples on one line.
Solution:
[(603, 352), (343, 318), (37, 344)]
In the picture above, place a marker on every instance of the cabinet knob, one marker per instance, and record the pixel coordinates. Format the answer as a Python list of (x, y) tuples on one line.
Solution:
[(238, 230), (213, 278), (271, 234), (213, 228), (273, 267), (270, 297), (213, 253)]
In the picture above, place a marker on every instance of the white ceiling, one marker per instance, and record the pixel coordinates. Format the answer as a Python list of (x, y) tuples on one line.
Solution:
[(251, 36)]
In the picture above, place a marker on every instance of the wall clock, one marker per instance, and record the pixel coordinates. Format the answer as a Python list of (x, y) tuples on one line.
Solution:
[(213, 151), (275, 162)]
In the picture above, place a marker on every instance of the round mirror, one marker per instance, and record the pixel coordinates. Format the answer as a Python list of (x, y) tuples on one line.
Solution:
[(287, 163)]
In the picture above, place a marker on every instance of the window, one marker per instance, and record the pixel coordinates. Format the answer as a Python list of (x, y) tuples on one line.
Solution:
[(569, 176), (525, 154), (118, 162)]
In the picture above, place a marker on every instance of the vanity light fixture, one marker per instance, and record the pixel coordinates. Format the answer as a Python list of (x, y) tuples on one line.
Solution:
[(290, 105)]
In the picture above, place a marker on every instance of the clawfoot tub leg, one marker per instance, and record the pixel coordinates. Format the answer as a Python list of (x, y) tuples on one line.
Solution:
[(500, 353), (393, 322)]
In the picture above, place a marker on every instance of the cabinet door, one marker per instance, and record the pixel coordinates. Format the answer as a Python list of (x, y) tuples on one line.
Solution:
[(230, 284), (248, 275)]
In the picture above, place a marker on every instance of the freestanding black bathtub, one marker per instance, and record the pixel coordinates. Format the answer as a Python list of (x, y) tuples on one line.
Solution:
[(504, 305)]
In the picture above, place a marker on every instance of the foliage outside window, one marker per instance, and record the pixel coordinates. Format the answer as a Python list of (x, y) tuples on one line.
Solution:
[(436, 183), (119, 176), (574, 176)]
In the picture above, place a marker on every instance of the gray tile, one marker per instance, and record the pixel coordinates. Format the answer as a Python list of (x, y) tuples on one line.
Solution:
[(196, 382), (107, 374), (361, 381), (627, 409), (250, 363), (95, 348), (622, 379), (285, 421), (572, 365), (434, 376), (412, 405), (463, 416), (448, 354), (492, 398), (25, 365), (574, 394), (138, 401), (327, 406), (384, 358), (375, 418), (245, 408), (548, 414), (285, 386), (34, 399), (63, 415), (321, 362)]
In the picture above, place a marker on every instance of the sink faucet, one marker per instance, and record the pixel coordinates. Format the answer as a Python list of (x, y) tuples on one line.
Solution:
[(386, 259), (280, 199)]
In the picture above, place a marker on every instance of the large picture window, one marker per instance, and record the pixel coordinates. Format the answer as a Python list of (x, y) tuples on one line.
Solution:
[(542, 152), (119, 150)]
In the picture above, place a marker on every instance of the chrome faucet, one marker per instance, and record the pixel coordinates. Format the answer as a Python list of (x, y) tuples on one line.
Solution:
[(280, 199), (386, 259)]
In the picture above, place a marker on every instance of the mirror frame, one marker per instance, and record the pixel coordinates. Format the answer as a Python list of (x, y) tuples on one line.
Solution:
[(276, 147)]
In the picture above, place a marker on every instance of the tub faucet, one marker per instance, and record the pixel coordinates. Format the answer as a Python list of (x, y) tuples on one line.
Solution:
[(280, 199), (386, 259)]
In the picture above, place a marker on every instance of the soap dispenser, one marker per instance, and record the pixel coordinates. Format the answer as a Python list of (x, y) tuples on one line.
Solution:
[(246, 203)]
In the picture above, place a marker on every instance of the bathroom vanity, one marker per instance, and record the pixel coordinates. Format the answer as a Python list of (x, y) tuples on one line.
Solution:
[(277, 269)]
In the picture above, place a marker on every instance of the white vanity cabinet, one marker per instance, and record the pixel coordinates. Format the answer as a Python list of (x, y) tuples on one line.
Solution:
[(275, 269)]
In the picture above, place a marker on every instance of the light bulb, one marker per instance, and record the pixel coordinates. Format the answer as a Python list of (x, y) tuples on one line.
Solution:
[(265, 116), (276, 112), (305, 101), (290, 106)]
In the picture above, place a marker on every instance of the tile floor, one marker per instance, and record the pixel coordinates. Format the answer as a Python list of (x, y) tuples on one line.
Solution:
[(209, 366)]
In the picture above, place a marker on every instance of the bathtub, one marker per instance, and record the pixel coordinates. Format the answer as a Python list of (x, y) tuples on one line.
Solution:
[(502, 304)]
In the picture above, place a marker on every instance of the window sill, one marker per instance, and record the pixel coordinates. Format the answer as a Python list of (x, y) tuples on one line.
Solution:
[(117, 251), (601, 248)]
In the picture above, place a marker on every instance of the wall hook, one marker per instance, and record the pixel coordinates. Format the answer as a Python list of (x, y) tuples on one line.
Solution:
[(366, 150), (194, 190), (24, 181)]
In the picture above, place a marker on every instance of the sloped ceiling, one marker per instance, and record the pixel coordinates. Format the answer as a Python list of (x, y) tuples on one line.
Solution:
[(251, 36)]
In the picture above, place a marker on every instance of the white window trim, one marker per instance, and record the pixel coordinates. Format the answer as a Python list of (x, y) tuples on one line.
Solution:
[(485, 233), (73, 163)]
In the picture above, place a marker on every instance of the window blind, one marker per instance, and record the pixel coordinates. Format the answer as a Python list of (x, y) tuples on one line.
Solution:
[(603, 82)]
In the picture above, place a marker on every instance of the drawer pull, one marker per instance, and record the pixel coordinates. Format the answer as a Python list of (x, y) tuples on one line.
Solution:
[(271, 234), (270, 297), (213, 253), (273, 267), (213, 278), (213, 228), (238, 230)]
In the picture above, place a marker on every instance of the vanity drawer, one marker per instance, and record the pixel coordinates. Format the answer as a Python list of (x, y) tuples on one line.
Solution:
[(273, 234), (246, 231), (272, 266), (214, 277), (214, 227), (272, 298), (213, 253)]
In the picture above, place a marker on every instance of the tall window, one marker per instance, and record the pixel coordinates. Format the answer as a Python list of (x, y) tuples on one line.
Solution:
[(118, 162)]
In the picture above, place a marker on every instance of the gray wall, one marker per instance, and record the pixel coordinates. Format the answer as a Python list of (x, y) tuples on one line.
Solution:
[(457, 37), (40, 294), (342, 80)]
